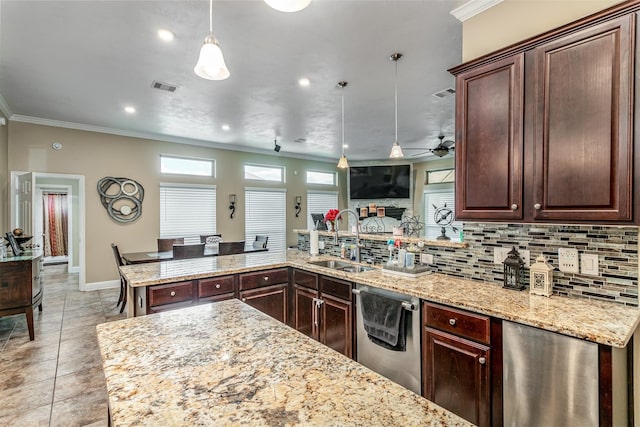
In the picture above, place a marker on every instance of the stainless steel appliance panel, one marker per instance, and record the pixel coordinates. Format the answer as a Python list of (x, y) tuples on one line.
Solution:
[(402, 367), (549, 379)]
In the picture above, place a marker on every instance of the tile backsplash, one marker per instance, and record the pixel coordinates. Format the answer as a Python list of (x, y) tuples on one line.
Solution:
[(616, 247)]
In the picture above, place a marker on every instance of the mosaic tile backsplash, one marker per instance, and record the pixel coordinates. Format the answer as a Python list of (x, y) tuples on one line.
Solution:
[(616, 247)]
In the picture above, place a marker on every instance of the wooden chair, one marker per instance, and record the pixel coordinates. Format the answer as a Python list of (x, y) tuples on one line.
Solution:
[(230, 248), (188, 251), (203, 237), (261, 242), (165, 245), (123, 284)]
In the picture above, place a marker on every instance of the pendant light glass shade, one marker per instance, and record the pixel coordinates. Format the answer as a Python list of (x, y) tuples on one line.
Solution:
[(211, 64), (288, 5), (396, 150), (343, 163)]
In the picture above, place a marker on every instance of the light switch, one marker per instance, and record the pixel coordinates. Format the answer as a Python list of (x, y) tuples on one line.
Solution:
[(568, 260), (589, 264), (426, 259)]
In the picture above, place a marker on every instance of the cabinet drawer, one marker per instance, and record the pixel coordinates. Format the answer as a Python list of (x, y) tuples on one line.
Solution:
[(170, 293), (215, 286), (263, 278), (457, 322), (303, 278), (335, 287)]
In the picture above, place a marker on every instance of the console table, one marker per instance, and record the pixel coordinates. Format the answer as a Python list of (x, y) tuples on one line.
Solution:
[(21, 286)]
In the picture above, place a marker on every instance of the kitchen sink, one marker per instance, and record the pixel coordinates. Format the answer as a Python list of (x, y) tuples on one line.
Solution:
[(342, 266)]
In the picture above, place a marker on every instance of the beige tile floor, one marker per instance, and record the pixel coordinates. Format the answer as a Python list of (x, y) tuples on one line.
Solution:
[(56, 380)]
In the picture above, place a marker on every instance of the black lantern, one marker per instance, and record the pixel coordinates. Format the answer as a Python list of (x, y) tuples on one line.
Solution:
[(513, 271)]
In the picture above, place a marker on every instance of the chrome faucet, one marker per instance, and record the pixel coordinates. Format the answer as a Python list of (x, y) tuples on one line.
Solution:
[(358, 244)]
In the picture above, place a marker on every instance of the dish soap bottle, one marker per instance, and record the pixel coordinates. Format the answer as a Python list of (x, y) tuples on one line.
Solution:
[(343, 251)]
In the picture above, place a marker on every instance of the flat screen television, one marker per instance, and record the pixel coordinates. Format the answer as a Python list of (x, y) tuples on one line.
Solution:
[(379, 182)]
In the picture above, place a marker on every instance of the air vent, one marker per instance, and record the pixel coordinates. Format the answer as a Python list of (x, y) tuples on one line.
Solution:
[(299, 140), (444, 93), (164, 86)]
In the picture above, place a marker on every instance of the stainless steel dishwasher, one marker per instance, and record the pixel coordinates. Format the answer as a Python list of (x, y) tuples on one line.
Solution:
[(402, 367)]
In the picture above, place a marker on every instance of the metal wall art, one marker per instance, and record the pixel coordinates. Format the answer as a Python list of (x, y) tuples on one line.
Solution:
[(121, 197)]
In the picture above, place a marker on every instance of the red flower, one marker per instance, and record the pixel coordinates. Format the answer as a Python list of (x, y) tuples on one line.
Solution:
[(331, 215)]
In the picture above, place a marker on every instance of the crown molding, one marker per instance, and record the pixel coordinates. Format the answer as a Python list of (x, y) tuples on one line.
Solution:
[(4, 107), (160, 137), (473, 8)]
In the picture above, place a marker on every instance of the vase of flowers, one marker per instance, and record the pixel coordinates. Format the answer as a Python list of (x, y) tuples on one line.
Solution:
[(330, 217)]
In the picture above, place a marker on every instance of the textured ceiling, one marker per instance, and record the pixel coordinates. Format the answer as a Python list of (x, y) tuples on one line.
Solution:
[(81, 62)]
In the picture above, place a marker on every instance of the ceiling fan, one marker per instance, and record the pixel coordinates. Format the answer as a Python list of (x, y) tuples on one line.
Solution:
[(442, 149)]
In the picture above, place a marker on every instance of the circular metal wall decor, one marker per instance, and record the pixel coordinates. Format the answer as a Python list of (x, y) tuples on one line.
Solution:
[(121, 197)]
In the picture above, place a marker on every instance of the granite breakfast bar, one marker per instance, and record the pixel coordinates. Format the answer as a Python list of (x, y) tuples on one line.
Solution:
[(228, 364)]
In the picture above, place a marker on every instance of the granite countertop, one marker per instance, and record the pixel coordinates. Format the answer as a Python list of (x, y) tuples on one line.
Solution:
[(228, 364), (601, 322), (27, 255)]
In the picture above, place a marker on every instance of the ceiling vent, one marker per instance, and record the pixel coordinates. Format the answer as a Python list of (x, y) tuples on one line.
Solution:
[(444, 93), (164, 86)]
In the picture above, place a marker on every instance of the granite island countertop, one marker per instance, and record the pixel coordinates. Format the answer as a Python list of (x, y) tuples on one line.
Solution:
[(226, 363), (601, 322)]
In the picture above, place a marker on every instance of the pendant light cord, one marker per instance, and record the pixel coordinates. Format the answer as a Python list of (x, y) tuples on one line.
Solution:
[(396, 98), (342, 120), (210, 17)]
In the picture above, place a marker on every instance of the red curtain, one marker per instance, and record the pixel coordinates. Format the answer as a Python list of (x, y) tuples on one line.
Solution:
[(55, 225)]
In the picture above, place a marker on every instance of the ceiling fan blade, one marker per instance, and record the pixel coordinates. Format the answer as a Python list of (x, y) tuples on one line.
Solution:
[(447, 143), (420, 154), (412, 148)]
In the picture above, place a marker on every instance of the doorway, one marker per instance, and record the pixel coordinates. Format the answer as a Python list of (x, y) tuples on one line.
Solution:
[(55, 216)]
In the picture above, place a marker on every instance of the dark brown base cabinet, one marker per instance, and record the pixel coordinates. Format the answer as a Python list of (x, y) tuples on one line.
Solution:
[(267, 291), (21, 288), (457, 363), (323, 310)]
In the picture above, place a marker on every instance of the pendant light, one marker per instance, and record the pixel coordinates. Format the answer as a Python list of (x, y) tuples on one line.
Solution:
[(211, 64), (396, 150), (342, 163), (288, 5)]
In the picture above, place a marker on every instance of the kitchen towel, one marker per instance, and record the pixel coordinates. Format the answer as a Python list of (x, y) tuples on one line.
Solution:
[(384, 321), (313, 243)]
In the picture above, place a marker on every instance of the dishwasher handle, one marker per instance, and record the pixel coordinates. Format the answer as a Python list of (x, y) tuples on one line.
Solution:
[(407, 305)]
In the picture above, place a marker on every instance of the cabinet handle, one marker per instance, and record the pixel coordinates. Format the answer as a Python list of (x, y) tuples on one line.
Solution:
[(244, 300), (452, 322), (173, 293), (266, 278), (482, 360), (514, 207), (537, 206), (217, 285)]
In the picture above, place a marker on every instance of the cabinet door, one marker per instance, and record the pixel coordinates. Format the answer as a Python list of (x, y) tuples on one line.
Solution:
[(583, 124), (271, 300), (489, 140), (456, 375), (305, 312), (336, 324)]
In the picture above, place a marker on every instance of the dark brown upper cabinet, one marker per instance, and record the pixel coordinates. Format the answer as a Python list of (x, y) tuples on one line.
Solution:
[(544, 129)]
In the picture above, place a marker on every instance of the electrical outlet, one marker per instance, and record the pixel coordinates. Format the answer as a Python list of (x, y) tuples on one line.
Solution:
[(500, 254), (426, 259), (568, 260), (526, 256), (589, 264), (320, 244)]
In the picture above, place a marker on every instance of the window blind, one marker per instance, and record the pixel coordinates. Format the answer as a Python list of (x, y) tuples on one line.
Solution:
[(266, 214), (320, 202), (432, 230), (187, 211)]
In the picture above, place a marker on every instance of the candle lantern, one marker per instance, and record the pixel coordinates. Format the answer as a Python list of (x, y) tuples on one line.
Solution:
[(513, 271), (541, 277)]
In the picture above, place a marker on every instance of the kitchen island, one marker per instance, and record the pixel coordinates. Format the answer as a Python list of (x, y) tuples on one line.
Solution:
[(228, 364)]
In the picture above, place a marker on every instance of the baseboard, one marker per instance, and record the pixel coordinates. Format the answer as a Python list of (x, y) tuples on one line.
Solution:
[(95, 286), (76, 270)]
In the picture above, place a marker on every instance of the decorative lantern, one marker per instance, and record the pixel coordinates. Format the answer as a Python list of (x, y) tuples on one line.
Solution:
[(541, 277), (513, 271)]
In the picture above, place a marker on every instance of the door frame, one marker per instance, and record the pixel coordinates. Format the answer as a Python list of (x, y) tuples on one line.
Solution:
[(80, 179)]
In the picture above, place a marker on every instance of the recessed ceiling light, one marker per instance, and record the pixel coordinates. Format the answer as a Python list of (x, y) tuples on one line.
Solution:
[(130, 110), (226, 127), (304, 82), (166, 35)]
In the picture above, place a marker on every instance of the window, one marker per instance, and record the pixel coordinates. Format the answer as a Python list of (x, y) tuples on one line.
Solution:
[(184, 166), (266, 214), (187, 211), (441, 176), (264, 173), (320, 202), (433, 230), (323, 178)]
